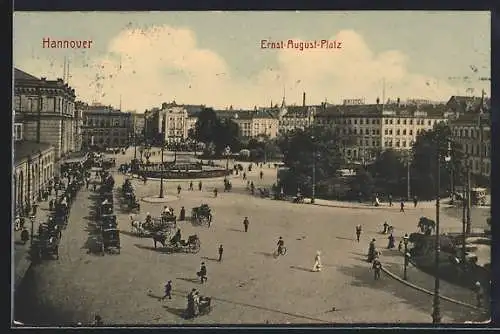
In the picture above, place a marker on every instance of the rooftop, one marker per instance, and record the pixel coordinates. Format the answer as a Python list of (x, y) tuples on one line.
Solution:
[(21, 75), (24, 148)]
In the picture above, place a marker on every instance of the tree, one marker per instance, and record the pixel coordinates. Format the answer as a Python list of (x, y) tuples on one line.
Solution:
[(303, 149), (424, 161), (390, 173), (227, 133), (210, 129)]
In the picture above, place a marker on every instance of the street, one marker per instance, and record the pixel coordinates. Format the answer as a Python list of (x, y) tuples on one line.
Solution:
[(249, 285)]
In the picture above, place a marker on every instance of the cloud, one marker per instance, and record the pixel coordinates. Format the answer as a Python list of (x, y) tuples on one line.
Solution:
[(161, 63)]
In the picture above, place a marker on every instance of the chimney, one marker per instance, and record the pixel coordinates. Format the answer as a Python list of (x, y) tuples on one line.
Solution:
[(304, 99), (398, 101), (378, 100)]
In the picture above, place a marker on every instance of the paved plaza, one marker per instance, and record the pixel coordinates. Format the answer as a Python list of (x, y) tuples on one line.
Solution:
[(249, 285)]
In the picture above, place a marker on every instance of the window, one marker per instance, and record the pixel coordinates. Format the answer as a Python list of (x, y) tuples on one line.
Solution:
[(386, 131), (378, 131), (18, 131), (361, 121), (355, 131), (374, 121), (373, 132), (411, 122), (373, 143), (386, 143), (397, 143), (398, 132), (367, 132), (355, 121), (404, 132), (390, 122), (390, 131), (366, 143), (429, 122), (411, 132), (404, 143), (386, 121), (398, 122), (17, 103)]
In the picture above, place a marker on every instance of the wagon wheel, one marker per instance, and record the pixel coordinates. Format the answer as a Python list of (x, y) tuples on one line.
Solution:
[(195, 248)]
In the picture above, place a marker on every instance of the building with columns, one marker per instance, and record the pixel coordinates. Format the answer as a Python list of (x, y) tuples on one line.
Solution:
[(168, 124), (33, 169), (106, 127), (44, 112)]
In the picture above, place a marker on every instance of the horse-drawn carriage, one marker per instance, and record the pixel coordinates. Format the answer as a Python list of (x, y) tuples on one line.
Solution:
[(108, 163), (107, 222), (426, 225), (202, 214), (47, 243), (176, 243), (133, 203), (127, 187), (149, 228), (167, 217), (105, 208), (109, 240), (61, 213)]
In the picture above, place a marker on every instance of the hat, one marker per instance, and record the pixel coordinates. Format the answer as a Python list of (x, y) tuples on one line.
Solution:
[(203, 263), (373, 239), (169, 282), (477, 283), (193, 290)]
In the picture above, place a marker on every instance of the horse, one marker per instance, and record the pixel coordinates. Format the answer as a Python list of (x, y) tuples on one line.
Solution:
[(159, 237), (135, 225)]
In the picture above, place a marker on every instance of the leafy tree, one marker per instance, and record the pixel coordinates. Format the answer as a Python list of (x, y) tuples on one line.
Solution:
[(425, 160), (227, 133), (390, 172), (210, 129), (303, 149), (363, 183)]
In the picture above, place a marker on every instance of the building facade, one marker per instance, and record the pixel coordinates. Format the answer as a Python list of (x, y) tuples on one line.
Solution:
[(366, 130), (33, 169), (472, 131), (253, 123), (137, 123), (105, 127), (44, 112)]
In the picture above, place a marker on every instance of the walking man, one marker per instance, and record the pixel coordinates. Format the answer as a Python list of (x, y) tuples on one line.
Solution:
[(390, 200), (179, 189), (377, 266), (203, 273), (199, 186), (245, 224), (402, 206), (358, 232), (478, 289), (415, 201), (168, 291), (191, 185), (261, 174), (221, 250)]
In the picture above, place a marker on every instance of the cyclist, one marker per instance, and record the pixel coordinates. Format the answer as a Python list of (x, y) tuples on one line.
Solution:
[(281, 244)]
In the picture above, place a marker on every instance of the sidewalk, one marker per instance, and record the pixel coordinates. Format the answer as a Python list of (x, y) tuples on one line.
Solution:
[(393, 265), (21, 256), (383, 205)]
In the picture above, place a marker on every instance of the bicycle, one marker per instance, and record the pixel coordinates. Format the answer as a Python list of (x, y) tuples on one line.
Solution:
[(282, 252)]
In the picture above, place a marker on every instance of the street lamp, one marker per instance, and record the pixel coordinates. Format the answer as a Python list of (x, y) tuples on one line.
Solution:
[(405, 242), (436, 313), (135, 146), (32, 219), (161, 170), (313, 195), (227, 152)]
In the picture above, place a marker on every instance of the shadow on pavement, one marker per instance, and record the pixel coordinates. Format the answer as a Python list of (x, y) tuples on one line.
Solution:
[(265, 254), (159, 249), (344, 238), (363, 277), (191, 280), (301, 268), (180, 312), (210, 258), (132, 234), (234, 230)]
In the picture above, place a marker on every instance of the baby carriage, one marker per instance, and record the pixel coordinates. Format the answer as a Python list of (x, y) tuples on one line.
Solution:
[(205, 305)]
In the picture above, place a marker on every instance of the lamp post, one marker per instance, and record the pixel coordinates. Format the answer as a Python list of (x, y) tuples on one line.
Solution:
[(313, 195), (161, 170), (405, 242), (227, 152), (135, 146), (436, 313), (32, 220)]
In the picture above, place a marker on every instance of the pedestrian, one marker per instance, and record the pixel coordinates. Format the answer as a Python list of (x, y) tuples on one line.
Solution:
[(144, 179), (402, 206), (244, 176), (191, 185), (168, 291), (94, 187), (182, 215), (51, 204), (87, 183), (179, 189), (390, 200), (317, 262), (386, 226), (246, 223), (415, 201), (35, 207), (391, 244), (221, 250), (358, 232), (199, 186), (377, 266), (202, 274), (97, 320), (479, 294), (400, 245), (261, 174), (215, 192)]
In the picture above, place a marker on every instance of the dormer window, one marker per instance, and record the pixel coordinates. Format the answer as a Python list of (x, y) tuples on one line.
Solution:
[(18, 131)]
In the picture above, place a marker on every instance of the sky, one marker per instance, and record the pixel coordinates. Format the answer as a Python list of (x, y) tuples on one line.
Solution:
[(141, 59)]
